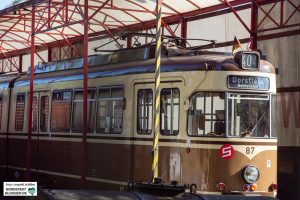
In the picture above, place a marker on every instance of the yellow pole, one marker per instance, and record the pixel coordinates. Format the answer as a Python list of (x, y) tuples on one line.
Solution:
[(157, 93)]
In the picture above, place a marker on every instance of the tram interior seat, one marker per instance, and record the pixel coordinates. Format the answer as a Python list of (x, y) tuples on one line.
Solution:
[(107, 124), (219, 125), (219, 128)]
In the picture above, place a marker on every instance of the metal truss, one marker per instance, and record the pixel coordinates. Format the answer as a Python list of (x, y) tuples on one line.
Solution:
[(10, 64), (58, 23)]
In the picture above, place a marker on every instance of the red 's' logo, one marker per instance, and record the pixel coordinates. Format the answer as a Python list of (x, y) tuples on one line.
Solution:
[(226, 151)]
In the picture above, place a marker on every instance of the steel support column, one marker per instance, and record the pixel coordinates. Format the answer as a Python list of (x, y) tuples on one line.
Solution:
[(85, 95), (29, 142), (253, 33), (49, 54), (129, 42), (157, 92), (20, 69), (183, 32), (281, 12)]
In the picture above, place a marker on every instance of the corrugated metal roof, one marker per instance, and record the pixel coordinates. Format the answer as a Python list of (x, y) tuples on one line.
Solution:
[(58, 20)]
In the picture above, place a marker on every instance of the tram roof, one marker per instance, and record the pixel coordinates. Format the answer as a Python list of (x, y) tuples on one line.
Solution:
[(195, 61), (61, 21)]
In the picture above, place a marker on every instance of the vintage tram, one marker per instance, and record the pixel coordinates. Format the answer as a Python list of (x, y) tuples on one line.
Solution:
[(216, 129)]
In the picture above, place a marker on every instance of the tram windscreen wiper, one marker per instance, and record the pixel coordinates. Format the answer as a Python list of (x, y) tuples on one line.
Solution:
[(249, 131)]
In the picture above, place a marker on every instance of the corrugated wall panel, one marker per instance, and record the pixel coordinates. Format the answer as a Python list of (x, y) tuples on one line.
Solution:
[(284, 53)]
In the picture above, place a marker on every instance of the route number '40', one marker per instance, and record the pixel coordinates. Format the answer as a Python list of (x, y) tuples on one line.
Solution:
[(250, 150), (250, 60)]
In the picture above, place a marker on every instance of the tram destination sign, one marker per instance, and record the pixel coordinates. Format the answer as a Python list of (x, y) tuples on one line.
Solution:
[(248, 82)]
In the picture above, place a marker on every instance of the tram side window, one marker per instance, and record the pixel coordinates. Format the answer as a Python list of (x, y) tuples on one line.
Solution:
[(61, 111), (110, 110), (44, 113), (169, 112), (144, 110), (34, 113), (77, 122), (274, 104), (206, 115), (20, 110), (248, 115), (1, 104)]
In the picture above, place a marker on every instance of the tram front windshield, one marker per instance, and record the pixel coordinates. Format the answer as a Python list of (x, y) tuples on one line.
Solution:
[(248, 115)]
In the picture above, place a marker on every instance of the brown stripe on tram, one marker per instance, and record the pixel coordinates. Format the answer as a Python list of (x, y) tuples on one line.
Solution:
[(149, 139), (218, 142)]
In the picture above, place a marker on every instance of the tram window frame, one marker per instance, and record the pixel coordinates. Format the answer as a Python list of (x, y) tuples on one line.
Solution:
[(253, 97), (273, 114), (23, 115), (109, 99), (51, 117), (44, 113), (170, 132), (35, 114), (211, 114), (148, 119), (1, 109), (92, 116)]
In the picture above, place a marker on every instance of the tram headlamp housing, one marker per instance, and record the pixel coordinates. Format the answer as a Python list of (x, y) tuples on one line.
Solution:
[(250, 174)]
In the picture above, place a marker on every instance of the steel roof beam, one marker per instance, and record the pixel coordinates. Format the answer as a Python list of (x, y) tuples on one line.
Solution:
[(297, 8), (22, 6), (72, 46), (98, 9), (65, 19), (8, 30), (236, 14)]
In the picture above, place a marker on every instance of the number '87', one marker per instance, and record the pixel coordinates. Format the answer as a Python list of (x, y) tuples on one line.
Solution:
[(250, 150)]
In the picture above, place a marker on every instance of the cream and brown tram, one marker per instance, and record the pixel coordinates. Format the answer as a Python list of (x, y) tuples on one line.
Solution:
[(216, 128)]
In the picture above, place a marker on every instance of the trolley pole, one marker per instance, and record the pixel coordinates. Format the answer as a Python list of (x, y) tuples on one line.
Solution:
[(29, 142), (85, 94), (157, 92)]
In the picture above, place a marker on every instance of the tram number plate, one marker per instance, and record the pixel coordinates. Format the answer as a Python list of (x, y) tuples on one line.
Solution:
[(248, 82), (250, 150)]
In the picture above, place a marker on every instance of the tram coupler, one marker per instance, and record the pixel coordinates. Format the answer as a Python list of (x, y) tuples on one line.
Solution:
[(161, 188)]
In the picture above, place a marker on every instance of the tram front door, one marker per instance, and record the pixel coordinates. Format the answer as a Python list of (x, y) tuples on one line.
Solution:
[(40, 128), (169, 164), (141, 159)]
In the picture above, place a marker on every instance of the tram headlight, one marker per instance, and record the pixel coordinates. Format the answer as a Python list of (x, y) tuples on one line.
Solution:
[(250, 174)]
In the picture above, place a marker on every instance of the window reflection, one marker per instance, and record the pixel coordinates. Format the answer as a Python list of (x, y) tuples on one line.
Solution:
[(169, 111), (110, 110), (248, 115), (206, 115)]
